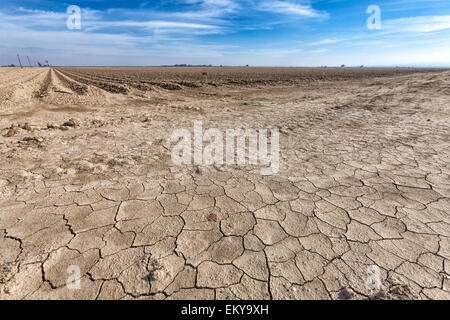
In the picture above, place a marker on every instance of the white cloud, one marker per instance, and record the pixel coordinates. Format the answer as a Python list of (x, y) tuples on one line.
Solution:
[(93, 20), (44, 35), (157, 24), (418, 24), (145, 37), (326, 41), (289, 8)]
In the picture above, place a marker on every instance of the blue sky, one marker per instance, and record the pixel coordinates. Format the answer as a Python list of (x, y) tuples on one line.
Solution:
[(227, 32)]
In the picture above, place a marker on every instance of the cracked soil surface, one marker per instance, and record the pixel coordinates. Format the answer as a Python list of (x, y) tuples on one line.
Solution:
[(86, 180)]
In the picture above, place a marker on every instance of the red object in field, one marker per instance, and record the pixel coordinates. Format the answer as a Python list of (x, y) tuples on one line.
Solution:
[(205, 73)]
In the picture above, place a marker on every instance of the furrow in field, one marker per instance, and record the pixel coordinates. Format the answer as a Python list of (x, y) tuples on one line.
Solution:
[(99, 84), (125, 81), (43, 90), (135, 81), (76, 87)]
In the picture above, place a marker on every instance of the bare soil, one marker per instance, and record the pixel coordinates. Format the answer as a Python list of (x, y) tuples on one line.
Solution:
[(86, 180)]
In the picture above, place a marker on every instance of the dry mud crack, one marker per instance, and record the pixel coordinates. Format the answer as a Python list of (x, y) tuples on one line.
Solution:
[(86, 180)]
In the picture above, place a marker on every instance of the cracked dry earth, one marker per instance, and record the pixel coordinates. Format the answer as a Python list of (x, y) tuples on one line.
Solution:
[(364, 181)]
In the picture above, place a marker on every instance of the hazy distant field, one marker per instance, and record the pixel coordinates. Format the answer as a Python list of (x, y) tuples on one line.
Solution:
[(86, 179)]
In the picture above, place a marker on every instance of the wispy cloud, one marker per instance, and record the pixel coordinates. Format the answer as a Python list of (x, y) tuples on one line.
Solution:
[(326, 41), (303, 9), (418, 24), (156, 24), (264, 32), (100, 21)]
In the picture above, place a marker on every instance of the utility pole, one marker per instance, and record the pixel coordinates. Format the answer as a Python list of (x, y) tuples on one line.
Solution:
[(29, 61), (19, 61)]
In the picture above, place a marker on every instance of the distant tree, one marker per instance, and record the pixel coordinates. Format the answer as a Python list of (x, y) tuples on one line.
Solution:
[(343, 66), (39, 64)]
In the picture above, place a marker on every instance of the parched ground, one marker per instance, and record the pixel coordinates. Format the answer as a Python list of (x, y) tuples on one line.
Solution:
[(86, 180)]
